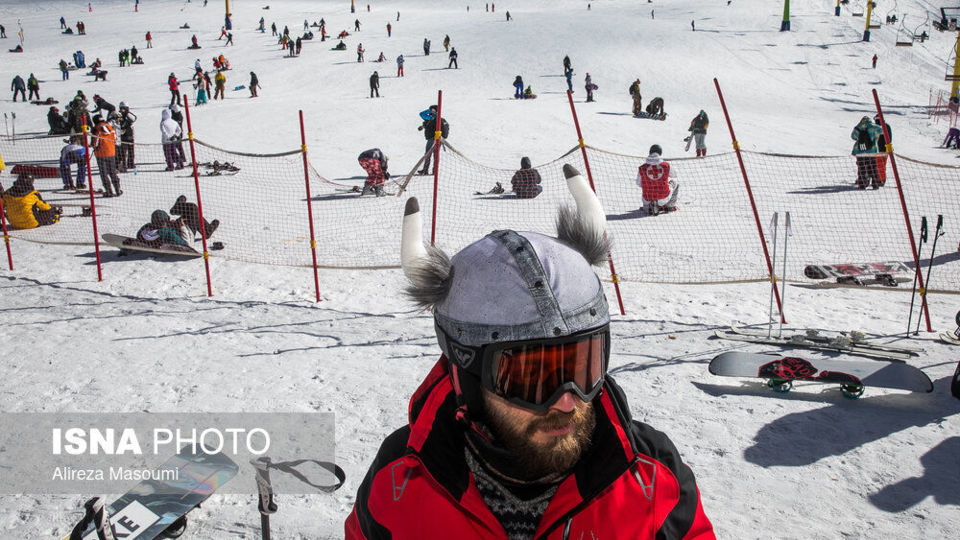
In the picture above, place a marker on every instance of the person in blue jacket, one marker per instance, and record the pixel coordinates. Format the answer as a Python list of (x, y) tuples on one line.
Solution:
[(72, 153), (518, 87), (866, 134)]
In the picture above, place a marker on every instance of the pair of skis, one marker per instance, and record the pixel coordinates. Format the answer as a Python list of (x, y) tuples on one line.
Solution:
[(851, 343)]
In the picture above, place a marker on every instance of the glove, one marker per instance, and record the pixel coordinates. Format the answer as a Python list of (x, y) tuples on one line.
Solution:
[(420, 128)]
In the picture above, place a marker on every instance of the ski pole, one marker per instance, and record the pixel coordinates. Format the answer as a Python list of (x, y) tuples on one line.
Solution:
[(933, 251), (6, 126), (916, 273), (266, 506), (773, 275), (783, 275)]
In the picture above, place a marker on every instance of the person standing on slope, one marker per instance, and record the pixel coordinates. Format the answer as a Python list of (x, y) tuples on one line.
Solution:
[(698, 129), (866, 134)]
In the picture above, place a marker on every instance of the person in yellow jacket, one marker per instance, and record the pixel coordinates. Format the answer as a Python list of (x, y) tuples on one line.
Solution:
[(105, 149), (220, 80), (25, 208)]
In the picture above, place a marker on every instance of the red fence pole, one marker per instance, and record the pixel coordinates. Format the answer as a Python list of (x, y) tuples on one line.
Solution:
[(93, 205), (586, 163), (753, 204), (196, 181), (906, 215), (436, 167), (6, 236), (306, 179)]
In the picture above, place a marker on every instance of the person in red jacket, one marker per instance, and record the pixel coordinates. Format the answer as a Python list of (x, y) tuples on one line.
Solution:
[(518, 431), (174, 86), (658, 183)]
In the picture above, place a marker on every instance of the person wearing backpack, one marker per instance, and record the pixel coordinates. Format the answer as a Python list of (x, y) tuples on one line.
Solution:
[(429, 128), (866, 134)]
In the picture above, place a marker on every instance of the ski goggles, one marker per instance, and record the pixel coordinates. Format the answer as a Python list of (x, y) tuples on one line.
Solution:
[(534, 374)]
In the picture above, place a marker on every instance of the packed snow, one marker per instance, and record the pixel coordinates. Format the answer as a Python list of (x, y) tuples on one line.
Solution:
[(807, 464)]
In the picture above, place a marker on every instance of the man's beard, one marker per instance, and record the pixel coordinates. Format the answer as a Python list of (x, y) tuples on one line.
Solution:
[(557, 456)]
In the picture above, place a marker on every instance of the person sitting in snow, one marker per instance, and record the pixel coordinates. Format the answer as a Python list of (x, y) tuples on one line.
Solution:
[(161, 230), (25, 208), (375, 163), (658, 184), (339, 47), (526, 181)]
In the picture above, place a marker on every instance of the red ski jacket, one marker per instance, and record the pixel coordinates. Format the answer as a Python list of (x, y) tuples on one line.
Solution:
[(653, 180), (631, 484)]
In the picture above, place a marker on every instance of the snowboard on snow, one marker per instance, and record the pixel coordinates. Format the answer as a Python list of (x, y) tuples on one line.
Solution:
[(825, 271), (660, 116), (876, 280), (132, 244), (852, 375), (811, 340), (952, 338), (853, 337), (158, 509)]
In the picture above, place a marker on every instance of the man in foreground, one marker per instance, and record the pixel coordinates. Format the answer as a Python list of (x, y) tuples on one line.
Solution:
[(518, 431)]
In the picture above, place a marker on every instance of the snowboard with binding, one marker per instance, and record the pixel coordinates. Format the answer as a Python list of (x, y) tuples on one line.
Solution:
[(852, 375), (952, 339), (825, 271), (125, 243), (644, 114), (158, 509)]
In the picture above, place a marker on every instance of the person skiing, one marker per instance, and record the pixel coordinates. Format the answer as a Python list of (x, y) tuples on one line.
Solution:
[(519, 430), (400, 66), (590, 87), (125, 151), (526, 181), (637, 98), (426, 47), (149, 41), (375, 163), (453, 59), (698, 129), (254, 84), (518, 87), (446, 43), (105, 150), (658, 184), (25, 208), (73, 152), (174, 86), (866, 134), (170, 134), (375, 84), (219, 81), (17, 86), (429, 128)]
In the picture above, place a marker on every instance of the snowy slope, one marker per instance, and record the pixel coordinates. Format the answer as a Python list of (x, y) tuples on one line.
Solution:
[(806, 465)]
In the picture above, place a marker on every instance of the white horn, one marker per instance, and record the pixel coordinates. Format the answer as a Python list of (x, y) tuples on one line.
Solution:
[(411, 243), (588, 205)]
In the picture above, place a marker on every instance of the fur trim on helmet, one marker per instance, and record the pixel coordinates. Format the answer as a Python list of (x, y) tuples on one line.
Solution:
[(584, 238), (430, 278)]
